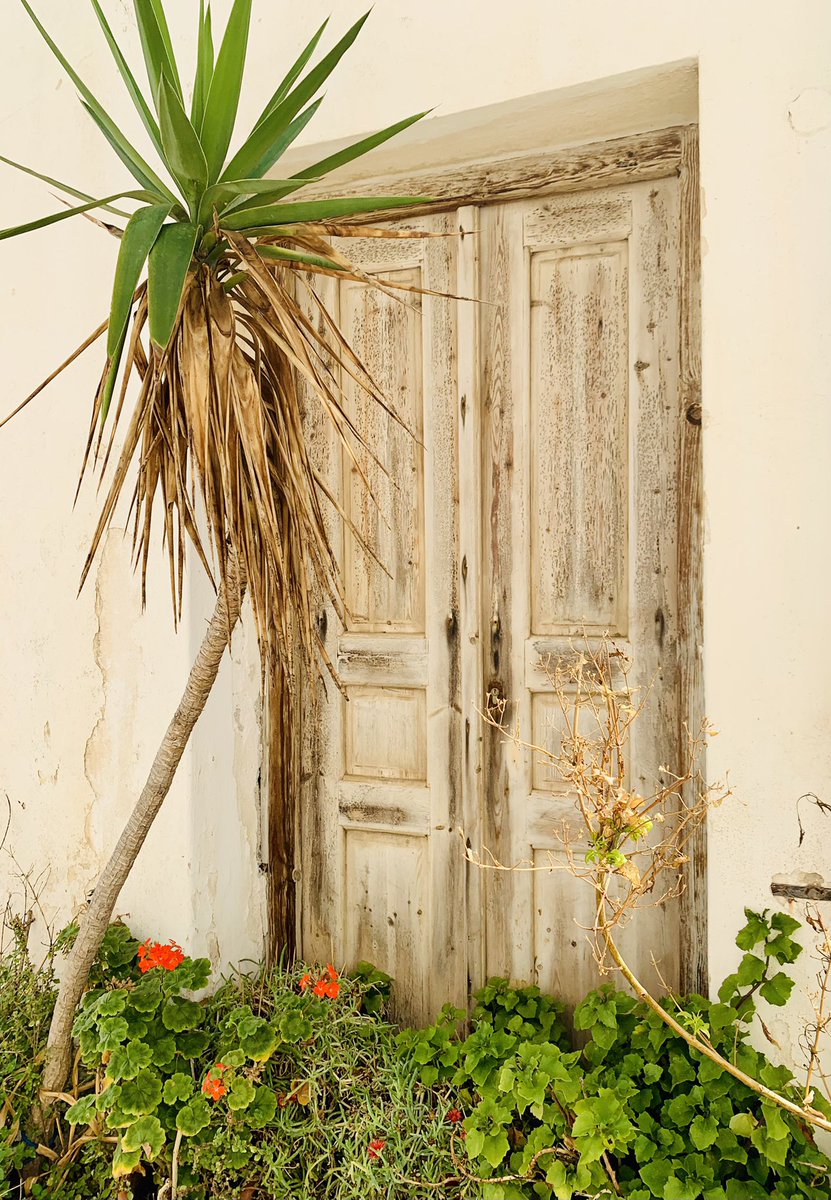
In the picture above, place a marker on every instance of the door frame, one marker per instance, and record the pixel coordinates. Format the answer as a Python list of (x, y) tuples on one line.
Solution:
[(669, 152)]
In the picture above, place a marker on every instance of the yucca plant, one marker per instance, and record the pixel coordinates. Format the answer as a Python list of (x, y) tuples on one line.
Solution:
[(215, 322)]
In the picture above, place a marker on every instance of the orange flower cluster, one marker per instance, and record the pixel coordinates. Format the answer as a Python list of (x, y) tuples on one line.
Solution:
[(153, 954), (213, 1087), (327, 987), (376, 1147)]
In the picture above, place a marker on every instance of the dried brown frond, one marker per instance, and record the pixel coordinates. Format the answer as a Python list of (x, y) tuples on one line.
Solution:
[(215, 447)]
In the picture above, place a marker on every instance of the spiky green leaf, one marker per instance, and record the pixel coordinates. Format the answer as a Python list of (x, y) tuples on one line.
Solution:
[(284, 254), (292, 131), (183, 151), (141, 232), (359, 148), (316, 210), (257, 191), (66, 213), (139, 169), (204, 65), (170, 259), (247, 161), (136, 95), (223, 96), (292, 74), (62, 187), (156, 45)]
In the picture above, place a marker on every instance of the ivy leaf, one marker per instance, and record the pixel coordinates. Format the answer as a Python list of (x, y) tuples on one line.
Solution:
[(194, 1117), (680, 1189), (703, 1132), (783, 948), (241, 1094), (144, 1134), (179, 1014), (126, 1061), (743, 1124), (177, 1088), (775, 1123), (755, 931), (82, 1111), (777, 990), (751, 970), (728, 989), (494, 1148), (783, 923), (142, 1094), (655, 1175)]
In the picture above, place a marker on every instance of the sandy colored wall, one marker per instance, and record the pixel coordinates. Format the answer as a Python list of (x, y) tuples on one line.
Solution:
[(87, 686)]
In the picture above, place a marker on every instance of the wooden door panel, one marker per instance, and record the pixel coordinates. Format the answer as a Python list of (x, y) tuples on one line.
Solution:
[(383, 760), (580, 379)]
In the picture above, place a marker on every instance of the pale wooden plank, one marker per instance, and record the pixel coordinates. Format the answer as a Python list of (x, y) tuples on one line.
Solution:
[(596, 165), (384, 499), (579, 437), (694, 932), (385, 733), (471, 661), (388, 912)]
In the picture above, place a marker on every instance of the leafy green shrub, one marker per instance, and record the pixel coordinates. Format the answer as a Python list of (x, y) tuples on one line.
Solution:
[(26, 999), (291, 1083), (637, 1108)]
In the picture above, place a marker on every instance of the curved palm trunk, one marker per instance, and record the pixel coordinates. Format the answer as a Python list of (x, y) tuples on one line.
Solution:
[(97, 917)]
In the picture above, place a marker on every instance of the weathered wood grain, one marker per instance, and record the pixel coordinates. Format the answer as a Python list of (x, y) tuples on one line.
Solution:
[(600, 164), (694, 932)]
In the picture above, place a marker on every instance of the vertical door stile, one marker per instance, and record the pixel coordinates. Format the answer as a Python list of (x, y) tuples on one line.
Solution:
[(470, 580), (321, 837)]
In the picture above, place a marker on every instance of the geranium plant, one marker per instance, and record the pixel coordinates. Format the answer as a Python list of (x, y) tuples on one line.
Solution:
[(215, 318)]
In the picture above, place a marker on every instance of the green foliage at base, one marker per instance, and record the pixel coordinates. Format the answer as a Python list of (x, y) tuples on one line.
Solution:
[(293, 1083)]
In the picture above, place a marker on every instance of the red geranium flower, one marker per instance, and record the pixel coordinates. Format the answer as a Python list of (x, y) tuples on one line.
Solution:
[(154, 954), (332, 973), (454, 1116), (213, 1087), (375, 1147), (305, 982)]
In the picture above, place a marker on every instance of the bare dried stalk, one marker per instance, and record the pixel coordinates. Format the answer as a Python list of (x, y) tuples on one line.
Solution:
[(620, 825)]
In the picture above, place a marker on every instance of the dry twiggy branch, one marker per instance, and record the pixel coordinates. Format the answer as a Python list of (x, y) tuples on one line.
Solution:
[(619, 826)]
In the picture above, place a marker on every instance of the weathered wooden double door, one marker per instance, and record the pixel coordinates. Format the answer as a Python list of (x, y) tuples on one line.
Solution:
[(537, 505)]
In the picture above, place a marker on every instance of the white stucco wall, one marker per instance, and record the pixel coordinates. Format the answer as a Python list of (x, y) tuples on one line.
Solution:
[(88, 686)]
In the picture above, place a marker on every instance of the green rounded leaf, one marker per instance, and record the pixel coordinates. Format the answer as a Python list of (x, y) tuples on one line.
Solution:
[(179, 1014), (177, 1088), (82, 1112), (142, 1094), (241, 1094), (126, 1061), (145, 1134), (262, 1108), (194, 1117)]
